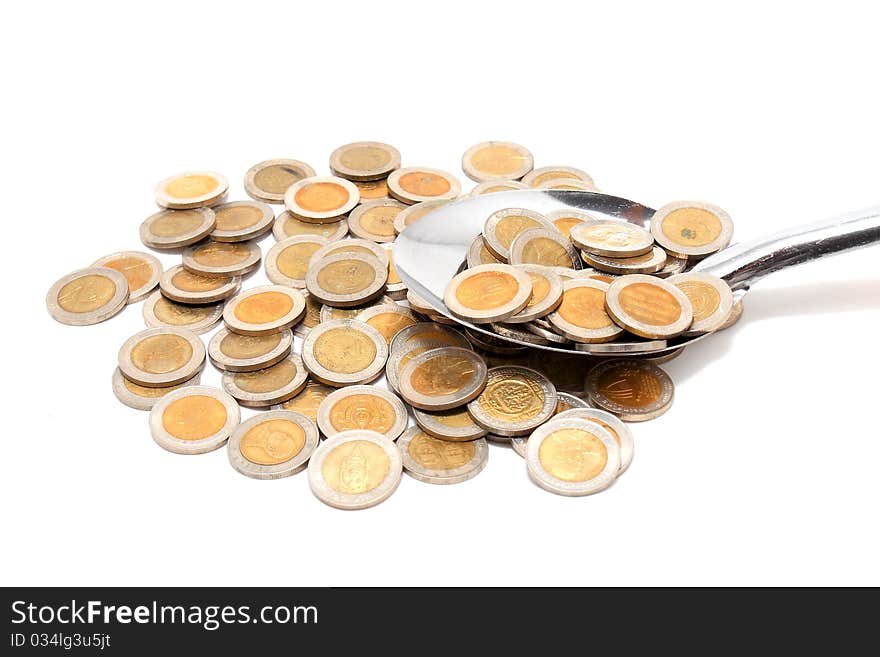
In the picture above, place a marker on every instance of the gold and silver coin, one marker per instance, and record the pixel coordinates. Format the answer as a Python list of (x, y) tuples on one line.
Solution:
[(542, 246), (161, 312), (544, 329), (546, 294), (610, 237), (436, 461), (286, 225), (307, 401), (312, 316), (347, 279), (193, 189), (161, 357), (141, 270), (355, 469), (455, 424), (494, 186), (691, 229), (287, 262), (648, 263), (344, 352), (564, 402), (618, 429), (564, 220), (374, 220), (399, 357), (418, 304), (141, 397), (488, 293), (364, 160), (710, 297), (268, 386), (442, 378), (233, 352), (184, 286), (581, 317), (87, 296), (272, 445), (528, 333), (542, 175), (193, 419), (329, 312), (504, 225), (264, 309), (362, 407), (478, 254), (388, 319), (674, 265), (496, 160), (173, 229), (416, 184), (412, 213), (240, 221), (372, 190), (222, 258), (515, 401), (430, 332), (321, 199), (634, 390), (268, 180), (394, 286), (648, 306), (572, 457), (353, 245)]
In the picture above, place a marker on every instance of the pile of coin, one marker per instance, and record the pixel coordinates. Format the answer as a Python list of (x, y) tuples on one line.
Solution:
[(311, 349)]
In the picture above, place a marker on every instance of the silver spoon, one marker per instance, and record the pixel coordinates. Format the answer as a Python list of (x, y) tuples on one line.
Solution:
[(430, 252)]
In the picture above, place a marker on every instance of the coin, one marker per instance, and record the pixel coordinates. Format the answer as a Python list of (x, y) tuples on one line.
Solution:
[(674, 265), (635, 347), (541, 246), (564, 402), (539, 176), (412, 213), (329, 312), (493, 186), (354, 245), (634, 390), (572, 457), (229, 258), (488, 293), (264, 309), (193, 189), (664, 358), (193, 419), (87, 296), (647, 263), (288, 260), (307, 401), (394, 287), (321, 199), (271, 385), (398, 359), (233, 352), (355, 469), (183, 286), (565, 219), (239, 221), (140, 397), (442, 378), (364, 160), (581, 317), (568, 184), (519, 333), (496, 160), (416, 184), (161, 312), (493, 345), (454, 424), (362, 407), (268, 180), (478, 254), (388, 319), (272, 445), (618, 430), (546, 294), (286, 225), (428, 331), (691, 229), (344, 352), (504, 225), (648, 306), (514, 402), (172, 229), (436, 461), (141, 270), (374, 220), (544, 329), (371, 190), (710, 297), (312, 316), (347, 279), (735, 313), (161, 357), (418, 304), (609, 237)]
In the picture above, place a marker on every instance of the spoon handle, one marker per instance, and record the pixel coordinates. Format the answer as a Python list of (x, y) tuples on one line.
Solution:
[(743, 264)]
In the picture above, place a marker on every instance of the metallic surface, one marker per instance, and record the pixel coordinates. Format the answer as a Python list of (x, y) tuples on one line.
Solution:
[(181, 420), (265, 387), (141, 270), (436, 461), (362, 407), (442, 378), (264, 309), (161, 357), (234, 352), (87, 296), (268, 180), (344, 352), (272, 445), (634, 390), (514, 402)]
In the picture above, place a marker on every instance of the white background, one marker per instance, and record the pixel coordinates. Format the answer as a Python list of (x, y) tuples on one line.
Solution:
[(764, 471)]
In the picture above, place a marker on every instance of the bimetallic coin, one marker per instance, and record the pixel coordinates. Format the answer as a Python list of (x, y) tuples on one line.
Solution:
[(455, 424), (691, 229), (364, 160), (546, 294), (398, 359), (388, 319), (619, 431), (412, 213), (493, 345), (674, 265), (321, 199), (488, 293), (539, 176), (544, 329), (272, 445), (329, 312), (347, 279), (353, 245), (307, 401), (504, 225), (183, 286), (161, 357), (416, 184), (222, 258), (564, 402), (664, 358), (431, 332), (647, 263), (418, 304), (394, 286), (362, 407), (141, 270), (272, 385), (648, 306), (286, 225), (710, 297), (87, 296), (442, 378), (522, 334), (514, 402), (542, 246), (193, 189), (312, 316), (141, 397), (610, 237), (572, 457), (344, 352), (581, 317), (568, 183), (193, 419), (437, 461), (240, 221), (494, 186), (735, 313), (172, 229), (267, 181), (564, 220), (233, 352), (355, 469), (496, 160), (161, 312), (288, 260), (478, 254), (634, 390), (264, 309), (372, 190), (374, 220)]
